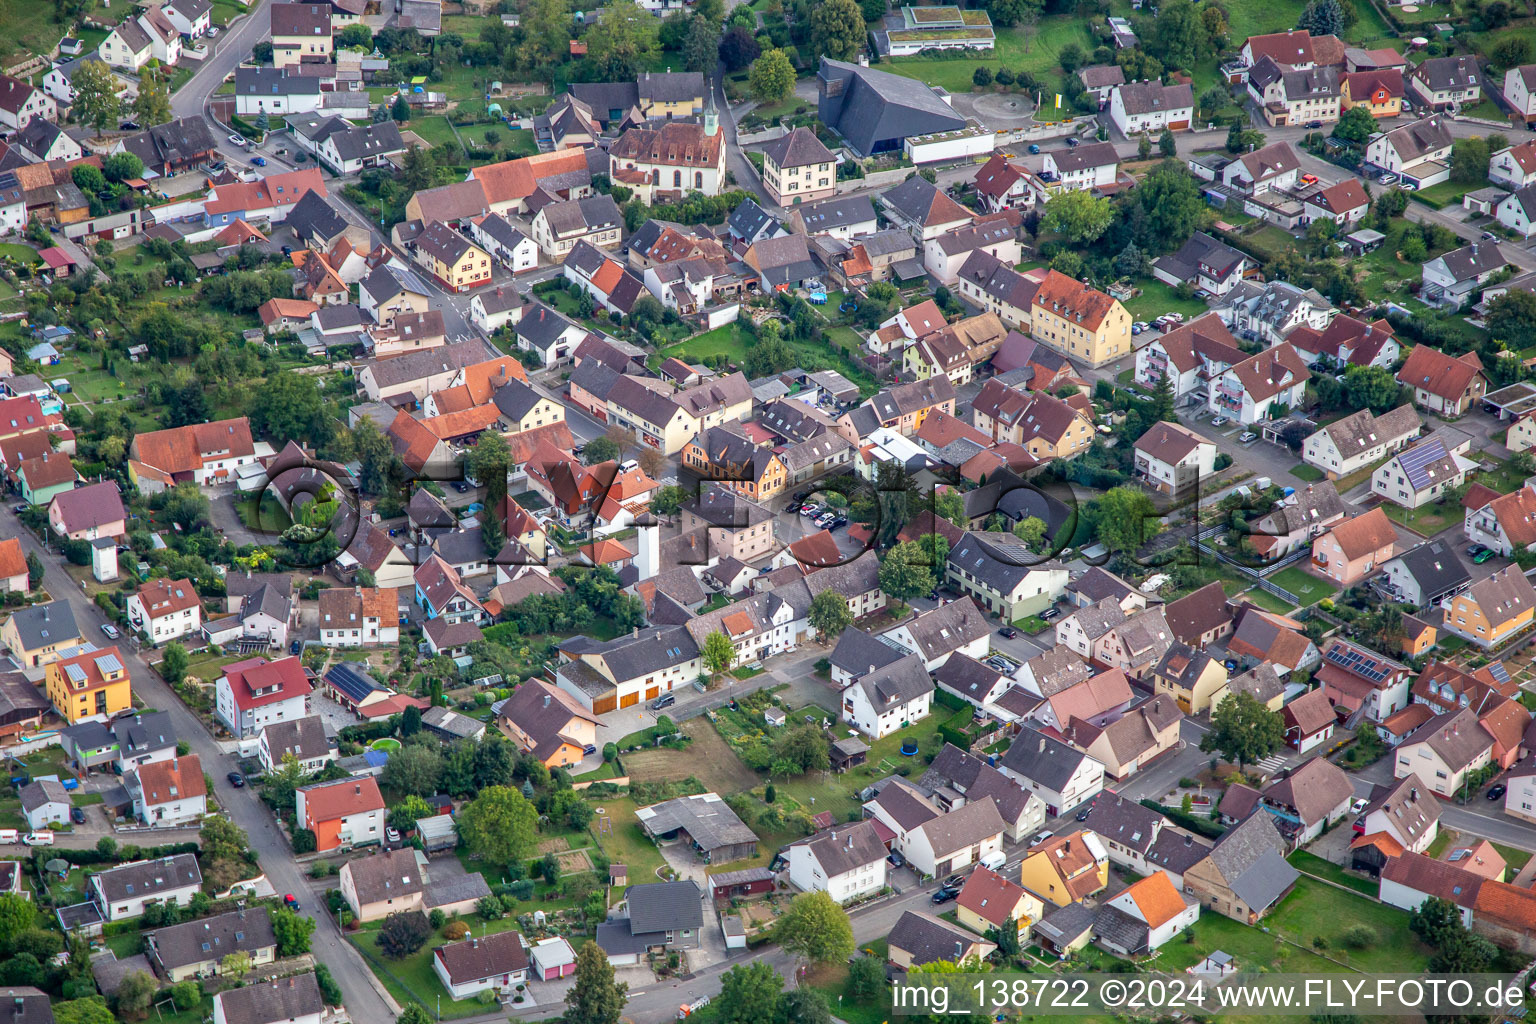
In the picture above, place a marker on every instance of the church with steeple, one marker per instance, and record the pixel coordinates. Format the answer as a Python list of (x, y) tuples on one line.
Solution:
[(670, 160)]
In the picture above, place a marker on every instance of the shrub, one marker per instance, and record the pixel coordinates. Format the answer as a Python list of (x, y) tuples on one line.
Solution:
[(456, 930), (403, 934), (303, 841), (436, 918), (1359, 936)]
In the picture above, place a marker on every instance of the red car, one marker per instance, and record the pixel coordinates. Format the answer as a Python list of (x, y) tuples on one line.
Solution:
[(291, 903)]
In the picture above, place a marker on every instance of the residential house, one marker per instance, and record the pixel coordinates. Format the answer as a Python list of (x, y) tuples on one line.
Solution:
[(1262, 636), (168, 794), (359, 617), (1269, 312), (1403, 810), (989, 902), (934, 842), (1261, 387), (1492, 609), (456, 262), (1344, 203), (89, 512), (83, 682), (1066, 869), (1360, 439), (301, 33), (997, 288), (890, 698), (1142, 733), (1355, 548), (295, 1000), (497, 962), (1245, 874), (305, 739), (1004, 184), (1310, 798), (1080, 168), (995, 234), (1446, 83), (559, 226), (183, 952), (1309, 720), (1047, 427), (1063, 776), (1420, 474), (958, 627), (919, 938), (44, 803), (342, 814), (388, 882), (1138, 107), (923, 209), (1453, 279), (737, 526), (1418, 152), (1003, 576), (1206, 264), (1193, 678), (1379, 90), (1190, 355), (164, 610), (1172, 459), (1444, 750), (1426, 574), (956, 777), (1506, 523), (1520, 94), (1361, 683), (127, 890), (547, 722), (603, 676), (20, 103), (255, 693), (1199, 618), (1079, 321), (41, 633), (797, 169)]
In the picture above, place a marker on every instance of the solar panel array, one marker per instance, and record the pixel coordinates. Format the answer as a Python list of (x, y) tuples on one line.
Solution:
[(1418, 461), (1356, 661)]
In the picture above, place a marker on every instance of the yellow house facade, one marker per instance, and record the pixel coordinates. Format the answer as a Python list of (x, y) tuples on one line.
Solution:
[(89, 685), (1193, 679), (1066, 869), (1080, 321)]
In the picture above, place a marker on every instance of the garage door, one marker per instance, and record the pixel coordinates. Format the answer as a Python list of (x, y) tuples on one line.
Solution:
[(1178, 126), (602, 705), (653, 692), (630, 701)]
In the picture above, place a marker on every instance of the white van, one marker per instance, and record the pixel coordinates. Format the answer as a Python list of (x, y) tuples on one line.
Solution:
[(9, 835), (38, 839), (628, 464), (994, 861)]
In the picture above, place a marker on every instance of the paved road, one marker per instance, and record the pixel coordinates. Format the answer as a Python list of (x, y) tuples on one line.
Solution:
[(364, 999), (230, 47)]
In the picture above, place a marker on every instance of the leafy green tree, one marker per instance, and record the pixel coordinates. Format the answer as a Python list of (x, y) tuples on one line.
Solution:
[(1178, 37), (1144, 147), (1243, 730), (816, 928), (414, 769), (1079, 216), (981, 78), (400, 110), (292, 930), (738, 48), (288, 407), (96, 101), (410, 722), (829, 614), (906, 572), (122, 166), (950, 506), (623, 41), (414, 1013), (600, 450), (403, 933), (1371, 387), (1511, 318), (173, 666), (1031, 530), (1123, 519), (1167, 145), (90, 1010), (499, 824), (804, 1006), (17, 915), (805, 747), (1469, 160), (35, 570), (1355, 125), (701, 46), (134, 995), (1170, 196), (749, 994), (866, 979), (717, 654), (595, 998), (237, 964), (772, 78), (1509, 52), (669, 499), (837, 29), (1322, 18)]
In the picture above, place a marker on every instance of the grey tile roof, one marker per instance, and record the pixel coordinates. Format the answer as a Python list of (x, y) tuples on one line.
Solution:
[(212, 938), (304, 738), (799, 148), (845, 848), (664, 906), (1001, 563), (947, 628), (1250, 860), (42, 625), (896, 684), (456, 889), (705, 817), (927, 938), (149, 878), (389, 875), (1043, 760), (283, 999)]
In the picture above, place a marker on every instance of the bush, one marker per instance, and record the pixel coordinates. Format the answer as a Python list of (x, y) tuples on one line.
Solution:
[(436, 918), (1359, 936), (455, 931), (403, 934), (303, 841)]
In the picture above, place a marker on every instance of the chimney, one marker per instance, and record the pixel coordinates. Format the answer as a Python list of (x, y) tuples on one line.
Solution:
[(1042, 744), (959, 949), (546, 700)]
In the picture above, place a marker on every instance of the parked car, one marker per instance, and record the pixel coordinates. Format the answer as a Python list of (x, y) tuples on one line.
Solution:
[(589, 749), (38, 839), (1220, 421), (236, 140), (128, 126), (1388, 179), (461, 487), (77, 815), (19, 509), (838, 522), (666, 700), (1489, 236), (1073, 143), (944, 895), (1008, 632), (811, 509), (1247, 437), (896, 860), (1034, 149), (1082, 815), (1050, 613), (1480, 554), (291, 903), (1042, 837), (110, 630), (1313, 125), (1309, 179), (954, 881), (1496, 792), (259, 161), (1359, 805), (391, 835), (1135, 329), (825, 519), (236, 779)]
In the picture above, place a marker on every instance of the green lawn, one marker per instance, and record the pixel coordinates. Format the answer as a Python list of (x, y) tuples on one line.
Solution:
[(1157, 298), (412, 979), (1040, 56), (1505, 478), (731, 341), (1447, 193), (22, 253), (32, 25), (627, 842), (1426, 520), (1303, 584), (1314, 909), (1312, 864), (1310, 474), (1269, 602)]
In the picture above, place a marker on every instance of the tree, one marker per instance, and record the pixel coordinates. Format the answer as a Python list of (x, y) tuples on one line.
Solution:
[(134, 995), (1167, 145), (1171, 198), (829, 614), (981, 77), (90, 1010), (701, 46), (717, 654), (623, 41), (1078, 216), (17, 915), (906, 572), (1178, 37), (816, 928), (499, 824), (1322, 18), (669, 499), (1243, 730), (804, 1006), (174, 665), (595, 998), (738, 48), (772, 78), (1123, 519), (1031, 530), (837, 29), (1355, 125), (288, 407), (96, 101), (1510, 52), (414, 769), (152, 105), (804, 747), (1131, 261), (1144, 147), (950, 506), (866, 978), (410, 721), (749, 994), (400, 110), (408, 811), (1512, 318), (292, 930), (414, 1013), (1469, 160), (600, 450), (403, 933), (1371, 387), (237, 963), (35, 570)]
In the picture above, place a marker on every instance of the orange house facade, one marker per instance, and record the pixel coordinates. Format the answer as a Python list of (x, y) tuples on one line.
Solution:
[(342, 814), (1355, 548), (760, 477), (1380, 92)]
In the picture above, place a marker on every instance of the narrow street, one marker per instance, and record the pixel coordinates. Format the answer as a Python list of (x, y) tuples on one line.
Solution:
[(365, 999)]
